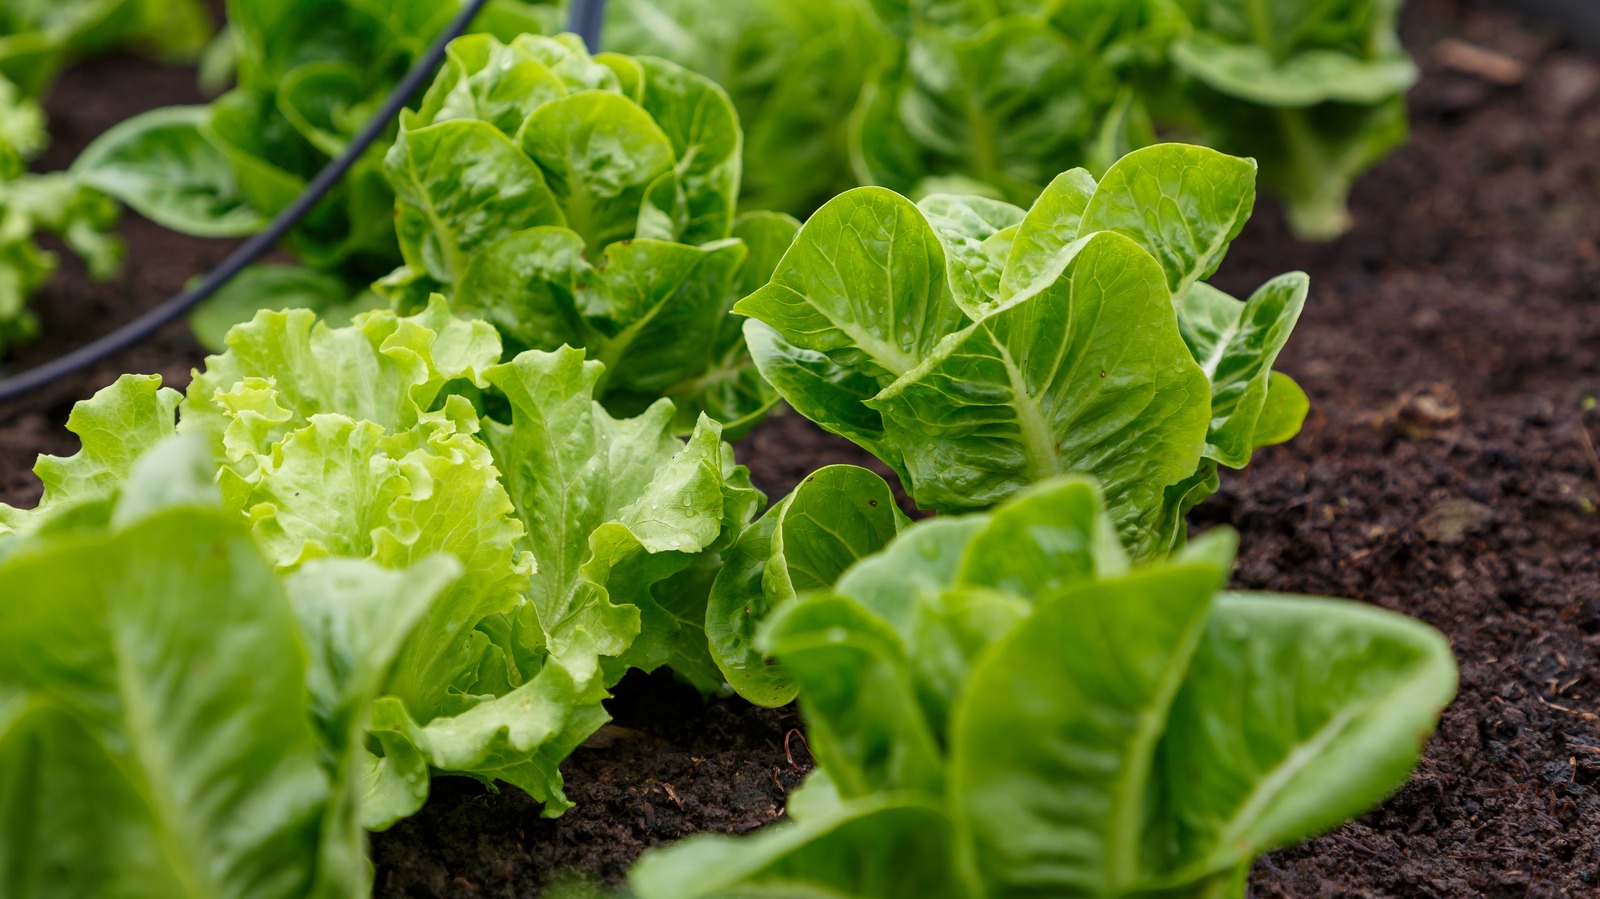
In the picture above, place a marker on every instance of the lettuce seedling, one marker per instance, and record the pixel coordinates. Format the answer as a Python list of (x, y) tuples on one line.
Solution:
[(587, 544), (162, 729), (1004, 704), (977, 348), (588, 202), (30, 204), (1316, 91)]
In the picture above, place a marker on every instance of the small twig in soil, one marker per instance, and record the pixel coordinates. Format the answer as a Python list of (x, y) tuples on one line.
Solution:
[(794, 732), (1588, 447)]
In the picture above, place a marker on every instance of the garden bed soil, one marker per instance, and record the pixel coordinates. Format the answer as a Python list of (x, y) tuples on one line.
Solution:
[(1451, 349)]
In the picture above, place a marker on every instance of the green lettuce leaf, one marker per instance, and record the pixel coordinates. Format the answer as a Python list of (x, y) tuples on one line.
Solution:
[(240, 782), (585, 544), (837, 515), (793, 71), (995, 106), (977, 348), (1000, 705), (1313, 90), (594, 210)]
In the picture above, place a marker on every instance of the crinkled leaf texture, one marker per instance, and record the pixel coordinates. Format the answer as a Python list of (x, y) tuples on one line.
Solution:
[(162, 729), (977, 348), (32, 205), (587, 543), (1001, 705), (576, 530), (588, 202)]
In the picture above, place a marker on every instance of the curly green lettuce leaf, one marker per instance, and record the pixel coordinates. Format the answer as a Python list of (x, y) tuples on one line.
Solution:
[(619, 514), (342, 443), (59, 205), (1003, 705), (116, 427)]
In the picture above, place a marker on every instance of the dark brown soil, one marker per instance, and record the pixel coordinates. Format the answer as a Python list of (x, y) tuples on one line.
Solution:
[(72, 309), (1450, 349)]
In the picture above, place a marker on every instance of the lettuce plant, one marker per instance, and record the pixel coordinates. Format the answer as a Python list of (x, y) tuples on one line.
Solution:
[(30, 204), (177, 719), (310, 74), (1004, 704), (587, 544), (976, 347), (588, 202), (992, 98), (793, 70), (1316, 91)]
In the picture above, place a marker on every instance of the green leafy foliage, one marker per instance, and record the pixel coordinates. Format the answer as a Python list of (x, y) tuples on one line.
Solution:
[(588, 202), (1316, 91), (310, 74), (836, 516), (983, 102), (175, 718), (977, 348), (276, 286), (993, 97), (38, 40), (793, 70), (1001, 705), (586, 544), (32, 204)]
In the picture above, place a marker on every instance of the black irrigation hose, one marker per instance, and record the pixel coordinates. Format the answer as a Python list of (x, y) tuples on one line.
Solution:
[(587, 17), (147, 324)]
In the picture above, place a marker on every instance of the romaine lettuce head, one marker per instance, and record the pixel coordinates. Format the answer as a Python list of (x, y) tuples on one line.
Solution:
[(1003, 704), (976, 347)]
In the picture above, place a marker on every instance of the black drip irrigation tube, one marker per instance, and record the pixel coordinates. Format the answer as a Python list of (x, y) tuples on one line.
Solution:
[(586, 20)]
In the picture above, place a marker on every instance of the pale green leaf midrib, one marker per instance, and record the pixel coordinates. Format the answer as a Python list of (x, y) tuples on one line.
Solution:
[(444, 235), (1129, 811), (1293, 763), (1225, 337), (1037, 439), (154, 780)]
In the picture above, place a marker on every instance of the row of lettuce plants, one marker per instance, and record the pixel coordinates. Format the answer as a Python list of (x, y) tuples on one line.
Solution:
[(997, 96), (984, 97), (261, 614)]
